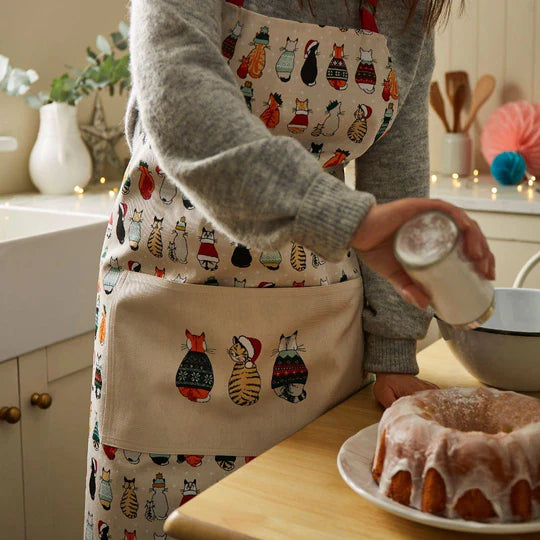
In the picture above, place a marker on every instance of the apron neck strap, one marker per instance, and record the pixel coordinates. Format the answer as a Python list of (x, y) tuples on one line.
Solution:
[(367, 13)]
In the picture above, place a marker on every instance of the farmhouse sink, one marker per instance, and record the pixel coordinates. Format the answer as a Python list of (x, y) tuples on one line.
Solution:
[(48, 264)]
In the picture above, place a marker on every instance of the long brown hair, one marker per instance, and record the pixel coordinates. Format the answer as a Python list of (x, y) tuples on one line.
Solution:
[(437, 11)]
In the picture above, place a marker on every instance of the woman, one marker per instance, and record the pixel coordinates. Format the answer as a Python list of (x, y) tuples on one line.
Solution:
[(240, 120)]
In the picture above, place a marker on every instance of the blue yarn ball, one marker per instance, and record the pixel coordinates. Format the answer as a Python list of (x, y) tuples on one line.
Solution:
[(508, 168)]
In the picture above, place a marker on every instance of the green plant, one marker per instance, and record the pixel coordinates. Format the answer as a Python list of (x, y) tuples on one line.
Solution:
[(104, 70)]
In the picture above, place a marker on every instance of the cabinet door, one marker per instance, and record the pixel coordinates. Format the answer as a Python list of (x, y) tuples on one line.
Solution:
[(54, 439), (11, 477)]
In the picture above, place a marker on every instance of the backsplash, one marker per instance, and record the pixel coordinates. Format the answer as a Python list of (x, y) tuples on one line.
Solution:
[(501, 37)]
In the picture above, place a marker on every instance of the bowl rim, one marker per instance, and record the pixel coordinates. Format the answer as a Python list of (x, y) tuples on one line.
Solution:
[(497, 330)]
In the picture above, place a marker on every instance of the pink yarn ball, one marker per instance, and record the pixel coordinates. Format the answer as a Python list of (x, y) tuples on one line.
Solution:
[(514, 127)]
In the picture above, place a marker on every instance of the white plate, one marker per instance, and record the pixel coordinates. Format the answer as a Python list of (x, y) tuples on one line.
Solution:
[(354, 464)]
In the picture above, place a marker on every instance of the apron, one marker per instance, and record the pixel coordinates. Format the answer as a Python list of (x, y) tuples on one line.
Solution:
[(204, 346)]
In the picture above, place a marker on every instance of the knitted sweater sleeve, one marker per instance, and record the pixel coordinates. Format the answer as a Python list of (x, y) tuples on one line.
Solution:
[(259, 189)]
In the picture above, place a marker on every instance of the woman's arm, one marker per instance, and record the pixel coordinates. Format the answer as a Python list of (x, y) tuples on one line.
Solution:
[(261, 190), (396, 167)]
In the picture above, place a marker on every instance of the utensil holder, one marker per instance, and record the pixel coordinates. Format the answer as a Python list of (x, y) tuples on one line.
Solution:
[(456, 151)]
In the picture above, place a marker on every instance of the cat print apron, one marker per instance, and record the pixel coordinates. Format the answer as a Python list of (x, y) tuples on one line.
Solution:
[(208, 352)]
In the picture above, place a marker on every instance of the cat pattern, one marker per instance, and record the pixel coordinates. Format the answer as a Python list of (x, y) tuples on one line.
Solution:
[(195, 376), (132, 456), (126, 185), (146, 181), (337, 74), (257, 56), (227, 463), (241, 256), (340, 156), (270, 259), (207, 255), (192, 461), (243, 68), (285, 63), (135, 229), (105, 489), (167, 190), (388, 113), (358, 129), (97, 375), (179, 252), (129, 503), (270, 116), (130, 535), (157, 507), (110, 279), (365, 77), (120, 229), (289, 375), (159, 272), (95, 436), (316, 260), (102, 326), (239, 283), (316, 149), (155, 241), (189, 491), (331, 122), (92, 479), (160, 459), (247, 91), (89, 528), (300, 120), (298, 257), (245, 381), (390, 87), (103, 530), (308, 73), (229, 43)]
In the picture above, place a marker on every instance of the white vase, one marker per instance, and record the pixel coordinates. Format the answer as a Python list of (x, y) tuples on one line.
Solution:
[(59, 160)]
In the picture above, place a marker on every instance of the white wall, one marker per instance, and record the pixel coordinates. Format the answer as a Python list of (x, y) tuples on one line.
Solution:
[(501, 37)]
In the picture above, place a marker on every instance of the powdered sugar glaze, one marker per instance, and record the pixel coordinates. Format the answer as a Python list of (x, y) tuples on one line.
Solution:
[(475, 438)]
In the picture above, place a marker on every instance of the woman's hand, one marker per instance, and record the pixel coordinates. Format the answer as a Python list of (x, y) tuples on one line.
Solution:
[(391, 386), (374, 240)]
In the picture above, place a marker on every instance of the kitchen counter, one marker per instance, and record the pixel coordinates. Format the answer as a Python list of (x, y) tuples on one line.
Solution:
[(294, 490), (471, 195)]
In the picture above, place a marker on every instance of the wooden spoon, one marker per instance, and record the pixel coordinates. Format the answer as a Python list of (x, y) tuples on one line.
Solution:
[(453, 79), (459, 101), (436, 101), (482, 91)]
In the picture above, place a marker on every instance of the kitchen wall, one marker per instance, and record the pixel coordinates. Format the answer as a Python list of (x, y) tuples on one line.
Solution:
[(501, 37), (45, 36)]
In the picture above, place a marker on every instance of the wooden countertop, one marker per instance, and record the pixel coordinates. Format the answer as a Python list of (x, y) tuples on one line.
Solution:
[(294, 490)]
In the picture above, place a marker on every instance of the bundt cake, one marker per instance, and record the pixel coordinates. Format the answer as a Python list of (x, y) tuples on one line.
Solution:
[(472, 453)]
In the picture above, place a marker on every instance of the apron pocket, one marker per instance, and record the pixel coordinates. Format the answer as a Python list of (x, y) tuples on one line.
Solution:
[(200, 369)]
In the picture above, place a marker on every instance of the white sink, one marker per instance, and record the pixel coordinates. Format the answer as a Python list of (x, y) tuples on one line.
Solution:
[(48, 267)]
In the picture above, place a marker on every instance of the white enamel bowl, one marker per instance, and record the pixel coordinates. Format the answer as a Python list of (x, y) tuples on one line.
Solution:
[(505, 351)]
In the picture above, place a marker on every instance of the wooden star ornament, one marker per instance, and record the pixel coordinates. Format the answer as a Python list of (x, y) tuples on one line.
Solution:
[(101, 140)]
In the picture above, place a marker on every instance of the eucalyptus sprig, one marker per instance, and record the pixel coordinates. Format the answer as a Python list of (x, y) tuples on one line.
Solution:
[(104, 70), (15, 81)]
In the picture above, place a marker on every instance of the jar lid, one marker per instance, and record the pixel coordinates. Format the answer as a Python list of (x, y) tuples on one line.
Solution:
[(425, 239)]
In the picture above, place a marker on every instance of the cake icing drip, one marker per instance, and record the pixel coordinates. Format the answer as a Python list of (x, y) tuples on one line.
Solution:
[(477, 438)]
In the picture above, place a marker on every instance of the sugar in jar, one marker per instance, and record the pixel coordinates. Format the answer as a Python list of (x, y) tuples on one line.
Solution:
[(430, 248)]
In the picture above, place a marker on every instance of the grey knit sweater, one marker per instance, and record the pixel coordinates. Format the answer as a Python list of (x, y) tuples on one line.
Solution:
[(188, 103)]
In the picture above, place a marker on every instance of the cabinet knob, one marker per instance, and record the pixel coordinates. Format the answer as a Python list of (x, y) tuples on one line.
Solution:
[(11, 415), (43, 401)]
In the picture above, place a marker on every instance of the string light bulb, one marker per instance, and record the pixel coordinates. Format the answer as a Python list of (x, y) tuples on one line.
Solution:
[(78, 189), (520, 188), (433, 178), (111, 193), (455, 176), (102, 180), (494, 190), (475, 180), (475, 172)]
